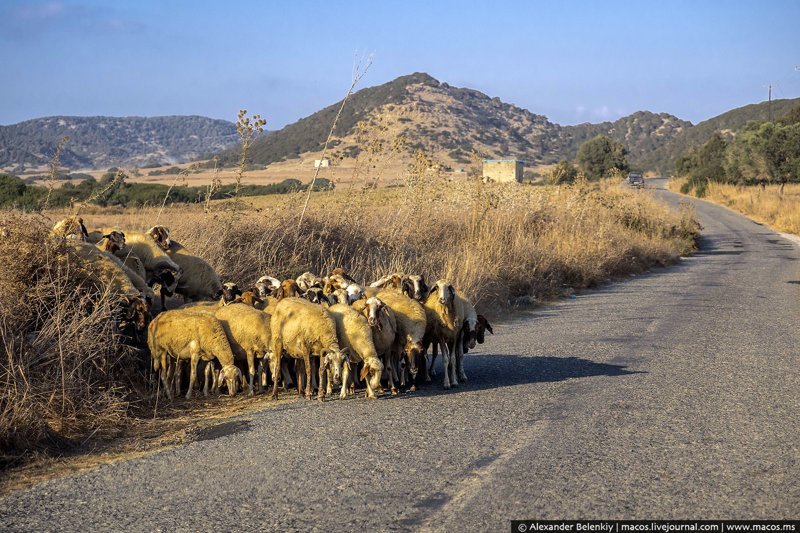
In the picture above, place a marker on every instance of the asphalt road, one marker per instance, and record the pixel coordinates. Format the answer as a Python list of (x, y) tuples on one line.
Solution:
[(670, 395)]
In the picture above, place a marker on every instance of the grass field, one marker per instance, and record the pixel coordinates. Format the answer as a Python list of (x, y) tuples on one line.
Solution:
[(782, 212), (68, 378)]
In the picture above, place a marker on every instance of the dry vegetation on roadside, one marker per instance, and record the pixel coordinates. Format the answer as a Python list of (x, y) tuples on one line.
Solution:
[(781, 211), (66, 376)]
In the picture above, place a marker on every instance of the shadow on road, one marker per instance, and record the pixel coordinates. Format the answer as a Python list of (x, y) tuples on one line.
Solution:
[(496, 371)]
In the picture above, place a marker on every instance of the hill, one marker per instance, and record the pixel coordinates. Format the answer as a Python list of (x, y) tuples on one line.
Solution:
[(101, 142), (452, 123), (663, 158)]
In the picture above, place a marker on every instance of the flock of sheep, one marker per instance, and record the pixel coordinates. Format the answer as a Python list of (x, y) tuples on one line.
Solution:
[(336, 331)]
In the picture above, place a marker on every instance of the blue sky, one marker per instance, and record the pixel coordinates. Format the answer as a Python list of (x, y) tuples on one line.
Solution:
[(571, 61)]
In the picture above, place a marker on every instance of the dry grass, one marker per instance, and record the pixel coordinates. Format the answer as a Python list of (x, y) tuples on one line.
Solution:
[(65, 374), (782, 212)]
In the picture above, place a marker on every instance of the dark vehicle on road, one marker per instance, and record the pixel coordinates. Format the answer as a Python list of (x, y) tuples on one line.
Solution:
[(636, 180)]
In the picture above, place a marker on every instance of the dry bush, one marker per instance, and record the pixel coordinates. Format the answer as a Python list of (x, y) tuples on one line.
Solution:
[(781, 211), (496, 243), (64, 373)]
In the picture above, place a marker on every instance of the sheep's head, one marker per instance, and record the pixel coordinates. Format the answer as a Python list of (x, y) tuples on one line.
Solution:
[(251, 298), (266, 285), (315, 295), (307, 280), (373, 310), (354, 292), (414, 286), (114, 241), (333, 358), (481, 328), (373, 370), (338, 296), (160, 234), (167, 277), (445, 293), (71, 227), (134, 315), (229, 292), (288, 289), (413, 351), (232, 376)]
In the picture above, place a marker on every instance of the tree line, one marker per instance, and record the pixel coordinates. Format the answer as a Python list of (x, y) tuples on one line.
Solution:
[(110, 190), (762, 152)]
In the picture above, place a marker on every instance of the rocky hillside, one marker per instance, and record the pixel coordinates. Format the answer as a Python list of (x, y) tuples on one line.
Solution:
[(102, 142), (452, 123)]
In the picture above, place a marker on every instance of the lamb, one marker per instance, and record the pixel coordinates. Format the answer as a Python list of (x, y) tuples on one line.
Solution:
[(185, 334), (160, 268), (355, 334), (199, 280), (445, 320), (303, 330), (383, 322), (411, 324)]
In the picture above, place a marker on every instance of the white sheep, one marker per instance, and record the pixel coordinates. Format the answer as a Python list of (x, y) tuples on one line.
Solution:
[(445, 321), (112, 273), (303, 329), (267, 286), (199, 280), (192, 336), (248, 332), (411, 324), (160, 268), (355, 333), (384, 333)]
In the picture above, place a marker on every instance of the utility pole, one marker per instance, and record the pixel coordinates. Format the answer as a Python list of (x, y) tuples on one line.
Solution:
[(769, 105)]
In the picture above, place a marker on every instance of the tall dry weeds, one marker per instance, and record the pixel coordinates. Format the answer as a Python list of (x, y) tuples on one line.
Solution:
[(64, 373)]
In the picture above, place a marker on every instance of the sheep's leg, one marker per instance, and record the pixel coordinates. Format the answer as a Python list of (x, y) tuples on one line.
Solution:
[(323, 382), (329, 383), (208, 372), (391, 373), (251, 371), (277, 350), (299, 372), (345, 381), (287, 377), (434, 353), (462, 376), (446, 363), (453, 351), (178, 375), (165, 377), (192, 373), (309, 389)]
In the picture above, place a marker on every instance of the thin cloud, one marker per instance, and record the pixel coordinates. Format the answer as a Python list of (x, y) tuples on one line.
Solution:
[(32, 19)]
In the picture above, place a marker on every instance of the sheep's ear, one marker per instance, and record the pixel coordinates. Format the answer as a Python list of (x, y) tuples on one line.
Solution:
[(482, 320), (108, 236), (452, 292), (364, 373)]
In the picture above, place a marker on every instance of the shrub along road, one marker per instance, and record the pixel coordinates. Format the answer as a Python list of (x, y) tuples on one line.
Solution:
[(672, 395)]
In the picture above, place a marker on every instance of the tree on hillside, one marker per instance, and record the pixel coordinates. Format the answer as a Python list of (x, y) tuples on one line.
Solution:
[(600, 157)]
